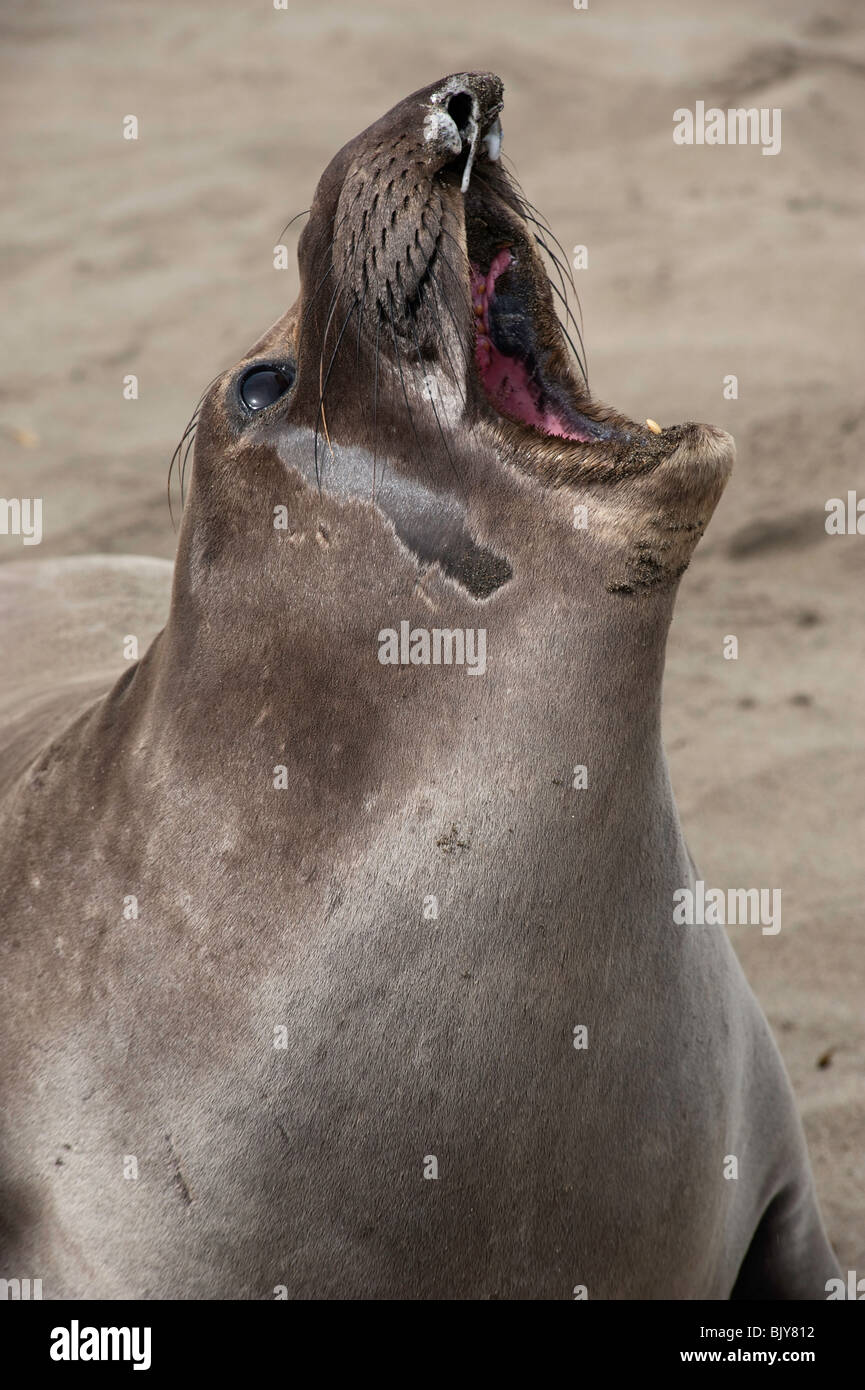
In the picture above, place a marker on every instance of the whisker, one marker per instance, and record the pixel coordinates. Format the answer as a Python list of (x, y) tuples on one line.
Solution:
[(188, 433), (527, 211), (292, 221), (315, 295), (323, 390), (402, 381), (535, 215), (563, 297), (375, 399), (454, 468), (357, 358), (429, 297), (458, 329)]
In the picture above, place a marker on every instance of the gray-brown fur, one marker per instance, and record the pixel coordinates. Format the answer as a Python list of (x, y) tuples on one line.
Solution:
[(302, 908)]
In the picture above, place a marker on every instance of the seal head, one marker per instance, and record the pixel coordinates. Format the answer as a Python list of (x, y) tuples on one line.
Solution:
[(424, 357)]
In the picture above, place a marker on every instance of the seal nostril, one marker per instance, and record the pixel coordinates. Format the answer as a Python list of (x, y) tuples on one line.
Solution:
[(459, 108), (264, 385)]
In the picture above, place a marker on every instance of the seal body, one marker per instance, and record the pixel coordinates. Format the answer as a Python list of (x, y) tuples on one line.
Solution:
[(326, 972)]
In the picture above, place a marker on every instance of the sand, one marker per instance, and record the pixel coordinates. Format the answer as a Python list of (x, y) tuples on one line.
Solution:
[(154, 258)]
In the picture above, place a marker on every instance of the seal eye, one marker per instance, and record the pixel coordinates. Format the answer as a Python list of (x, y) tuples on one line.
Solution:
[(264, 385)]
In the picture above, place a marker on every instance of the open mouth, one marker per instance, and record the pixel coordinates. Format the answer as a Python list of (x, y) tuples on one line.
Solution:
[(526, 374), (519, 354), (406, 198), (507, 361)]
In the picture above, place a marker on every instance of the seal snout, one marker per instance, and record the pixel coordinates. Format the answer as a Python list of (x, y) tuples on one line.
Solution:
[(464, 115), (469, 96)]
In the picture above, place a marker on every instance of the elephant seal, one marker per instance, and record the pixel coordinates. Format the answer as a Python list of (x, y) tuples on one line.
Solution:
[(325, 975)]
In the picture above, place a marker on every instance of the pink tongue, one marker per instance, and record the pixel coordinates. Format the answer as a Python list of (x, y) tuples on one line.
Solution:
[(505, 379)]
